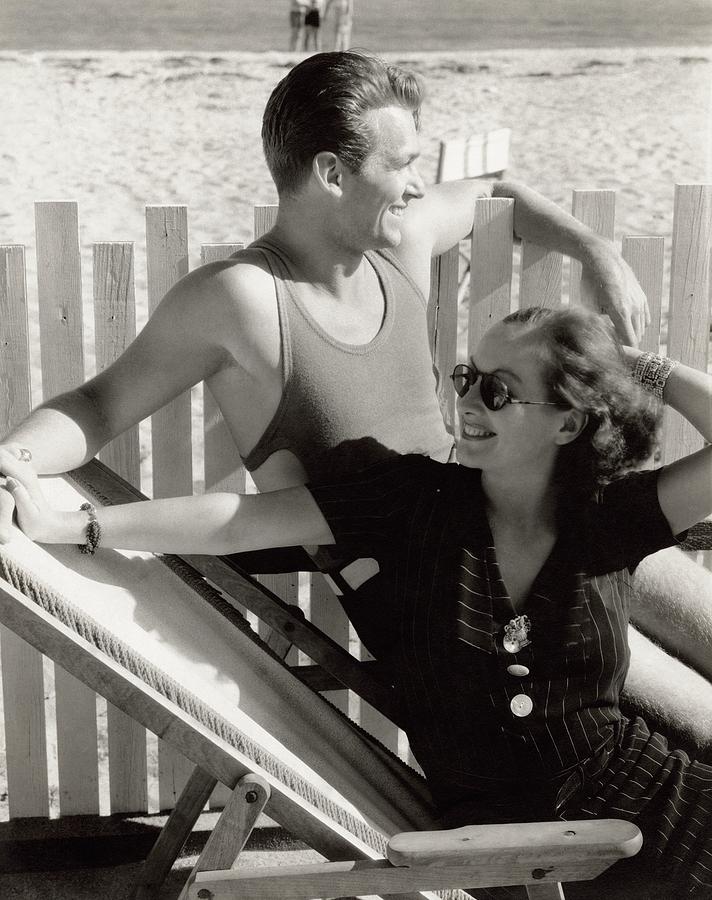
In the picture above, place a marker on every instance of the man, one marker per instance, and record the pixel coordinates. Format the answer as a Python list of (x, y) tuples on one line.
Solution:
[(340, 135), (303, 336)]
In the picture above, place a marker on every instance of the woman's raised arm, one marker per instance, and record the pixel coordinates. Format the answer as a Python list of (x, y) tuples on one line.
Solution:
[(684, 486)]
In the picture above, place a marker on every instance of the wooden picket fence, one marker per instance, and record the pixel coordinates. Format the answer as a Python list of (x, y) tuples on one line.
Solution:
[(81, 770)]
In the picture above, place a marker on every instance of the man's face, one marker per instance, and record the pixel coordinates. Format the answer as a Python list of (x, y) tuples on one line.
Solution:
[(376, 198)]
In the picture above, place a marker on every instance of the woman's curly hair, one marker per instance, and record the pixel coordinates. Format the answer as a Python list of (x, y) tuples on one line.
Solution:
[(585, 368)]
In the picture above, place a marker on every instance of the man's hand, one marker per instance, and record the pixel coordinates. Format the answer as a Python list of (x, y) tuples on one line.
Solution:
[(610, 285)]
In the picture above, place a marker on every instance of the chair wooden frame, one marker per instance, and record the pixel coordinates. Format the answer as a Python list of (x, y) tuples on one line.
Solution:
[(538, 855)]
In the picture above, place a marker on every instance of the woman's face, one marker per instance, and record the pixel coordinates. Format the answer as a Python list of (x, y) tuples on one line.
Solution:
[(517, 435)]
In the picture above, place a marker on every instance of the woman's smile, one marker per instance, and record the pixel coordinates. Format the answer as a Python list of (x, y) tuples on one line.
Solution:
[(473, 432)]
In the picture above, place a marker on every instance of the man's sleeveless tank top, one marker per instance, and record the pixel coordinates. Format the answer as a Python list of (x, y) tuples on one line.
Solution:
[(346, 406)]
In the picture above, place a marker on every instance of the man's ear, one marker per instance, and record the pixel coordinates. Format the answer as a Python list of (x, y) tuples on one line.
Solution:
[(328, 170), (574, 422)]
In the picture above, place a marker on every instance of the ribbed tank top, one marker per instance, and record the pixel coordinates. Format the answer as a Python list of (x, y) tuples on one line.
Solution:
[(346, 406)]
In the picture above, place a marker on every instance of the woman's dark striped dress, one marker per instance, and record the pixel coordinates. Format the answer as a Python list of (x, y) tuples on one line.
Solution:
[(536, 733)]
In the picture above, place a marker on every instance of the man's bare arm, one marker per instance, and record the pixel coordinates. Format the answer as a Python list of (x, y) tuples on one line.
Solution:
[(616, 288), (183, 343), (446, 214), (176, 349)]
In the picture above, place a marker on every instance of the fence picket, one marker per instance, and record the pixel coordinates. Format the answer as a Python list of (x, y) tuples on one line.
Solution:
[(114, 329), (645, 256), (60, 311), (59, 293), (285, 586), (443, 317), (22, 681), (540, 276), (15, 388), (223, 469), (326, 613), (264, 218), (689, 322), (128, 763), (171, 428), (77, 746), (167, 262), (597, 210), (490, 266), (25, 731)]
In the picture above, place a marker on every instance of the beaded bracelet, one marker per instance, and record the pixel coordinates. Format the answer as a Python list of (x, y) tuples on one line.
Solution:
[(652, 372), (93, 530)]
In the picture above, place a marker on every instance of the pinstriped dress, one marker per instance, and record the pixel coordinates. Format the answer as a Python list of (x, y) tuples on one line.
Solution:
[(534, 734)]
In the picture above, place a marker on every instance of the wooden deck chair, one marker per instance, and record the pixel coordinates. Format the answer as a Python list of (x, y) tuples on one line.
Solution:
[(156, 640), (483, 155)]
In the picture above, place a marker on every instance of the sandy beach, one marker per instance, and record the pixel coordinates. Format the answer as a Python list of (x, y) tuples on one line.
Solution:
[(116, 131)]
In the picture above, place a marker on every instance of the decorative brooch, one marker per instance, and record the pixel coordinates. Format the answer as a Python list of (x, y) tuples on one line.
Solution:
[(516, 634)]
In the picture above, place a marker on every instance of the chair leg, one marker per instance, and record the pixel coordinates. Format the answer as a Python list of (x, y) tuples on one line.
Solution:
[(551, 890), (182, 819), (233, 828), (174, 834)]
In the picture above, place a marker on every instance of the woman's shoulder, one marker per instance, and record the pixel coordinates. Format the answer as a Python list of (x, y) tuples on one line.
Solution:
[(422, 472), (623, 523)]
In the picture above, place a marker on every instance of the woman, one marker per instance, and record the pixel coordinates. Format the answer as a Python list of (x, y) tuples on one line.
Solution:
[(509, 574)]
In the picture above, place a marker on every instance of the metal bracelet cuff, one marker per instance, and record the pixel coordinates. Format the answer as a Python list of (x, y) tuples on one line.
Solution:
[(651, 372), (93, 530)]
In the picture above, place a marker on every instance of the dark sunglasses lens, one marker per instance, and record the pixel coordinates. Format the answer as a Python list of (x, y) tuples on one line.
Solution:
[(494, 392), (461, 380)]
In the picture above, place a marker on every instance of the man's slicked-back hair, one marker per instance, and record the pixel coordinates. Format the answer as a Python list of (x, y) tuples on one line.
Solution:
[(320, 105)]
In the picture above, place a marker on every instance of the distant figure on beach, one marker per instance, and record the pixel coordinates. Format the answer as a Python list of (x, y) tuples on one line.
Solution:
[(297, 11), (312, 26), (343, 24)]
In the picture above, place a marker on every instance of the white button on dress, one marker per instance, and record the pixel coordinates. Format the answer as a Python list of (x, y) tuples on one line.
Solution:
[(518, 670), (521, 705)]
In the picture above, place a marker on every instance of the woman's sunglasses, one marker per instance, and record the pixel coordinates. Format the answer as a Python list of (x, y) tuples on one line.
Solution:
[(494, 392)]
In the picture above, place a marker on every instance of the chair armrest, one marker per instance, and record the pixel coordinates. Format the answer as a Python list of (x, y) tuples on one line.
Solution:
[(586, 839)]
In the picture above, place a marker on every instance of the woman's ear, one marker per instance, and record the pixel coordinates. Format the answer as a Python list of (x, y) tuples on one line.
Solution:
[(328, 170), (574, 422)]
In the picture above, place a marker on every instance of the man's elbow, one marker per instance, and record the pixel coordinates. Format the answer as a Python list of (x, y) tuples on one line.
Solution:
[(88, 413), (505, 189)]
